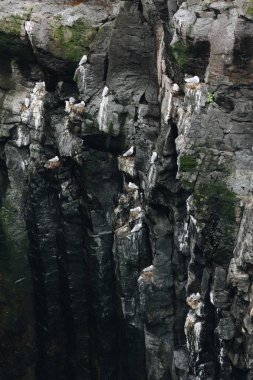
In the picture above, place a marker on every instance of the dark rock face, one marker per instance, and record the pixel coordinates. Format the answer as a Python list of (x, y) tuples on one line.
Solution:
[(126, 266)]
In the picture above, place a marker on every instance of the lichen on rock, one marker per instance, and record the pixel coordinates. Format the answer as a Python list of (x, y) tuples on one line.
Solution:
[(71, 42)]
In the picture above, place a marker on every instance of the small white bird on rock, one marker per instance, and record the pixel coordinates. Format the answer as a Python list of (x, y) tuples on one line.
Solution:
[(135, 209), (53, 163), (81, 104), (67, 106), (195, 296), (129, 152), (83, 60), (175, 87), (54, 159), (39, 87), (27, 102), (192, 80), (72, 100), (148, 269), (153, 158), (132, 186), (29, 25), (137, 227), (105, 91)]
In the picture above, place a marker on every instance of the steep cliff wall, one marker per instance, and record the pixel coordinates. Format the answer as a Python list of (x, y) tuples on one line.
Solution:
[(121, 266)]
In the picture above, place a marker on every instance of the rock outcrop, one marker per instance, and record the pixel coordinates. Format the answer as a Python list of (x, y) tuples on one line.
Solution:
[(121, 266)]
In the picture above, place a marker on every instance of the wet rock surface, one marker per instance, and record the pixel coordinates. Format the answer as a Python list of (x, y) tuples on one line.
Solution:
[(120, 265)]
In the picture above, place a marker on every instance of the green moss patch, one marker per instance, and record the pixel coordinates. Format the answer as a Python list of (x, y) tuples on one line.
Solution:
[(10, 30), (72, 42), (10, 38), (249, 10), (217, 196), (180, 52), (216, 205), (188, 163), (12, 25), (187, 185)]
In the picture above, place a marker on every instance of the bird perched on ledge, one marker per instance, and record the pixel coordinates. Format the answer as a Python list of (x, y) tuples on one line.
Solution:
[(153, 158), (72, 100), (175, 87), (191, 80), (129, 152), (54, 159), (137, 227), (27, 102), (67, 106), (105, 91), (53, 163), (83, 60), (135, 209), (132, 186)]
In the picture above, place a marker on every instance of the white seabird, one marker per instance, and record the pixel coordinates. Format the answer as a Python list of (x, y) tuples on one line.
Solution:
[(148, 269), (29, 25), (81, 104), (54, 159), (27, 102), (153, 158), (135, 209), (39, 86), (83, 60), (132, 186), (105, 91), (72, 100), (195, 296), (175, 87), (137, 227), (129, 152), (67, 106), (193, 80)]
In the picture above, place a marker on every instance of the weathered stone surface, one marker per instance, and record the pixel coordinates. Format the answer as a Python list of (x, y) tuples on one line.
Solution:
[(120, 248), (226, 328)]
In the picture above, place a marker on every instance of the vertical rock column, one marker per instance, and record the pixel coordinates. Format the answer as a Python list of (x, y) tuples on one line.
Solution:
[(57, 256), (18, 349)]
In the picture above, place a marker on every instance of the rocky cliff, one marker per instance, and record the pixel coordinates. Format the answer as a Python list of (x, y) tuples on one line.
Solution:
[(128, 266)]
